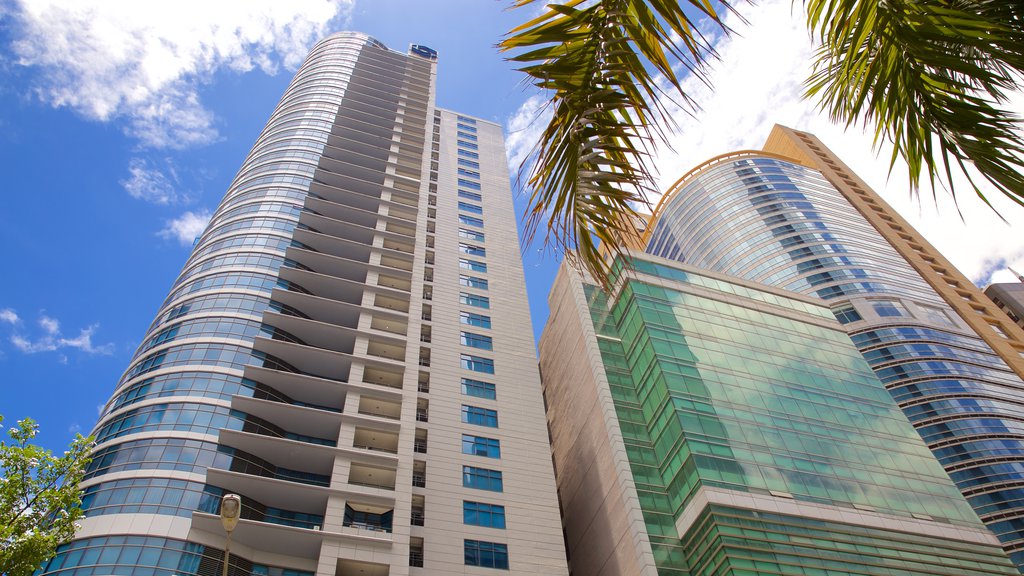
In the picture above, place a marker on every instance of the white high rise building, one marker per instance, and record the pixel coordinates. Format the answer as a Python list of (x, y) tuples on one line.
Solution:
[(348, 348)]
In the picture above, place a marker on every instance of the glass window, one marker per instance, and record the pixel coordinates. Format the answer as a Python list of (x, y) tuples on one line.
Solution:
[(466, 127), (482, 514), (473, 282), (486, 554), (470, 221), (889, 308), (473, 208), (478, 364), (846, 314), (474, 300), (468, 173), (460, 118), (472, 319), (469, 163), (479, 416), (482, 479), (468, 154), (477, 341), (470, 195), (469, 184), (481, 446), (466, 135), (470, 145), (472, 249), (474, 265), (935, 315), (478, 388), (471, 234)]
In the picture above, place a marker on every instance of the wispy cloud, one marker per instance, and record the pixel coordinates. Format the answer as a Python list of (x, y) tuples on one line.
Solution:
[(52, 339), (145, 62), (9, 316), (186, 227), (524, 128), (151, 184)]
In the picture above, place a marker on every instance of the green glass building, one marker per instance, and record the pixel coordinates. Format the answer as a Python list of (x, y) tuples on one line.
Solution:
[(704, 425)]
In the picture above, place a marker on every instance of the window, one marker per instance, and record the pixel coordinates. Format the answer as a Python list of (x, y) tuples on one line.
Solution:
[(466, 135), (474, 300), (470, 196), (846, 314), (459, 118), (889, 308), (472, 208), (473, 282), (469, 163), (470, 221), (471, 234), (477, 341), (479, 416), (478, 320), (469, 145), (935, 315), (474, 265), (481, 479), (478, 364), (472, 249), (466, 127), (481, 514), (486, 554), (478, 388), (480, 446), (469, 173), (468, 154), (469, 184)]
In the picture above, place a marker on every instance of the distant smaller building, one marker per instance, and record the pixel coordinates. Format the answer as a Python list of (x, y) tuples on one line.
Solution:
[(1010, 298)]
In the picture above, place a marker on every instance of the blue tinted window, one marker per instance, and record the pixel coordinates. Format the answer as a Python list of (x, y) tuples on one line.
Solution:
[(470, 145), (466, 206), (481, 446), (482, 514), (465, 120), (469, 184), (475, 319), (471, 234), (469, 173), (466, 127), (470, 221), (476, 341), (469, 164), (474, 265), (473, 282), (472, 249), (467, 135), (474, 300), (482, 479), (478, 388), (468, 154), (470, 196), (846, 314), (478, 364), (480, 416), (486, 554)]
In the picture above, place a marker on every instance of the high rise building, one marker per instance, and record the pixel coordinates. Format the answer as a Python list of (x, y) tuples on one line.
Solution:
[(703, 424), (1009, 297), (794, 217), (344, 349)]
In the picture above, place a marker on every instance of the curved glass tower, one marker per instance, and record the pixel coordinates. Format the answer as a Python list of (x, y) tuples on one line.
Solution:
[(772, 220), (291, 363)]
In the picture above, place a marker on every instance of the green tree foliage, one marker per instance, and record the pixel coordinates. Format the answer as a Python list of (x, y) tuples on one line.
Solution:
[(39, 498), (929, 74)]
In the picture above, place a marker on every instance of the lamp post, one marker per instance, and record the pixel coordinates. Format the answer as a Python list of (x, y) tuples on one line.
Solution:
[(230, 512)]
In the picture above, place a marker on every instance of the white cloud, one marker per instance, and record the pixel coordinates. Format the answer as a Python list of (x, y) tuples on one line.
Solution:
[(524, 128), (52, 340), (145, 61), (150, 184), (9, 316), (758, 83), (50, 325), (186, 227)]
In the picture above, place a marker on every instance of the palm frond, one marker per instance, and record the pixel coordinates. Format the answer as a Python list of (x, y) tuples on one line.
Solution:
[(602, 62), (931, 75)]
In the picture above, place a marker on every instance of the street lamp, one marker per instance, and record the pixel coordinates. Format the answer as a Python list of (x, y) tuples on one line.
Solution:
[(230, 512)]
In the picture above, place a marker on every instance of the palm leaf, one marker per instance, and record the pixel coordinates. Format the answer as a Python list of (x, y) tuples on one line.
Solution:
[(931, 76), (602, 63)]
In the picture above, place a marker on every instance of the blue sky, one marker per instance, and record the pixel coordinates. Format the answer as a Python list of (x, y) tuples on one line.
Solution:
[(123, 123)]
